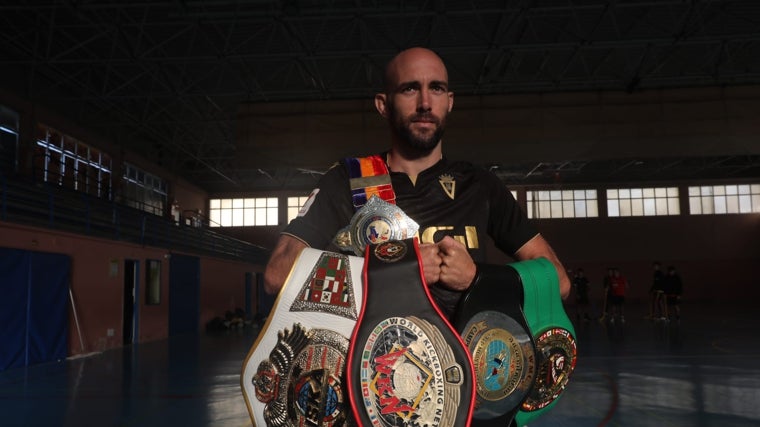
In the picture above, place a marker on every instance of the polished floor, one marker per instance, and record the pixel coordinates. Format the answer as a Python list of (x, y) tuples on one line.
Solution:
[(701, 371)]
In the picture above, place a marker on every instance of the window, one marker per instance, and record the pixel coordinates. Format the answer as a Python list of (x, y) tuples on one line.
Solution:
[(643, 201), (724, 199), (63, 160), (153, 282), (294, 205), (144, 191), (562, 204), (260, 211)]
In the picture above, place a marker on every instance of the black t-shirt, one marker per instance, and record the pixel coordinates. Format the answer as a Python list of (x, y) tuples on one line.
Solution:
[(450, 198)]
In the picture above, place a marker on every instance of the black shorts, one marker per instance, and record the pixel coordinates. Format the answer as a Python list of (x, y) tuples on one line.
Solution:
[(674, 299)]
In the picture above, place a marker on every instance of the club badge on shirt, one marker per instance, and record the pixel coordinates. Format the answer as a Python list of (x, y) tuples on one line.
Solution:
[(448, 184)]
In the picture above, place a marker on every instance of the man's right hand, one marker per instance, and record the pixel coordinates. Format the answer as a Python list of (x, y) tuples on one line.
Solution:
[(281, 262), (431, 262)]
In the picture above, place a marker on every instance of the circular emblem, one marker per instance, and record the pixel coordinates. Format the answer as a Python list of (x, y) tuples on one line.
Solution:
[(376, 229), (504, 362), (557, 354), (315, 391), (300, 383), (403, 378), (390, 251), (377, 221)]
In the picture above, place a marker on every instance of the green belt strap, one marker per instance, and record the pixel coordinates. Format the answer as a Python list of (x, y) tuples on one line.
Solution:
[(553, 333)]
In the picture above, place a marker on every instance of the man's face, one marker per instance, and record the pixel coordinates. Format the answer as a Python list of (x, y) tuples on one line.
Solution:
[(418, 103)]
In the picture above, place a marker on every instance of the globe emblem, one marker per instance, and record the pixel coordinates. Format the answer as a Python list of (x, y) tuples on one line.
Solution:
[(378, 230)]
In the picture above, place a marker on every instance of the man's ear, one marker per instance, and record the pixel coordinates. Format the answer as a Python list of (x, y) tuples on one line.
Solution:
[(451, 101), (380, 104)]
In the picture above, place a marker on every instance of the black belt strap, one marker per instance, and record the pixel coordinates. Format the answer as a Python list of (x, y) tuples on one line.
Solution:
[(406, 362), (492, 324)]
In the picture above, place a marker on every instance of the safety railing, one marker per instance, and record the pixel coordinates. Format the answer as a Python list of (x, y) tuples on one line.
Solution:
[(54, 207)]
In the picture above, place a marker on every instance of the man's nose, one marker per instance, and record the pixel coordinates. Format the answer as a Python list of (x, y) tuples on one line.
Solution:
[(423, 103)]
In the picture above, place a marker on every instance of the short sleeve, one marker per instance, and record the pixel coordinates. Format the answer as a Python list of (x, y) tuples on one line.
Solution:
[(328, 210), (507, 224)]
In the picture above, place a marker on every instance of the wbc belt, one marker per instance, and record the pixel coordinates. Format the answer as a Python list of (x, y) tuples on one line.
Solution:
[(553, 334), (406, 365), (492, 325), (294, 373)]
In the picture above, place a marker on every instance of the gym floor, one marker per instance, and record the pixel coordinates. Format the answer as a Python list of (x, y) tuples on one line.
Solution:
[(701, 371)]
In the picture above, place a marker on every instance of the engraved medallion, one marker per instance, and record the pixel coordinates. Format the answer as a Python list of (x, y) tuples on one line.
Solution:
[(408, 375), (301, 381), (376, 222), (390, 251), (557, 355), (504, 362)]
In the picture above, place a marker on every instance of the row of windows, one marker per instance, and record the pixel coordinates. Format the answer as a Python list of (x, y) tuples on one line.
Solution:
[(65, 161), (621, 202), (144, 191), (251, 211), (724, 199)]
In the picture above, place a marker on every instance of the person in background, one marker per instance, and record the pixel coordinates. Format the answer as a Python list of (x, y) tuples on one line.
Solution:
[(673, 290), (658, 310), (581, 288), (606, 294), (618, 288)]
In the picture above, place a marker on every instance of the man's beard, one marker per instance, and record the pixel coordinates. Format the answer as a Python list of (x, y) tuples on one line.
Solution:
[(416, 143)]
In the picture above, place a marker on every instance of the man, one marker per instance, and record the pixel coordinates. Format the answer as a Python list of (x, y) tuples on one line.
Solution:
[(456, 204), (658, 310), (673, 289), (618, 288), (581, 285)]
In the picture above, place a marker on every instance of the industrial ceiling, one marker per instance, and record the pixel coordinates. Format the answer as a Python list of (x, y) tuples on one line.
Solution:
[(166, 79)]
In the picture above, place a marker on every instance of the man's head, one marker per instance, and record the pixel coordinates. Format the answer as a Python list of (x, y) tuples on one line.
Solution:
[(416, 100)]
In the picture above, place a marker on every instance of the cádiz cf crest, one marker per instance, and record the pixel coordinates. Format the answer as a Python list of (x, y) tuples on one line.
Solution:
[(448, 184)]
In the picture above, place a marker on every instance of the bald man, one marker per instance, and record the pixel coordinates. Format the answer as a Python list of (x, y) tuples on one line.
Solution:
[(456, 204)]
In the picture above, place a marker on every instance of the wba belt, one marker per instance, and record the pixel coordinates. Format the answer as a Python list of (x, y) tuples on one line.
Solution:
[(553, 334), (491, 322), (406, 364), (293, 374)]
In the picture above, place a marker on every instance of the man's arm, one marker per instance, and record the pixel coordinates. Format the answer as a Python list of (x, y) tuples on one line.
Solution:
[(538, 247), (281, 262)]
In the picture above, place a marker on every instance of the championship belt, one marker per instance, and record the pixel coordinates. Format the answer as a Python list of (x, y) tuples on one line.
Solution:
[(293, 374), (492, 325), (553, 334), (375, 222), (406, 365)]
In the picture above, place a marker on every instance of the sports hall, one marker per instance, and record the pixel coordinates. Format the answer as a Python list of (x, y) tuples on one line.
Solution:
[(152, 152)]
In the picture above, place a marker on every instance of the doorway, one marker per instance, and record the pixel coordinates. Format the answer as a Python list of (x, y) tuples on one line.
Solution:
[(131, 282)]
